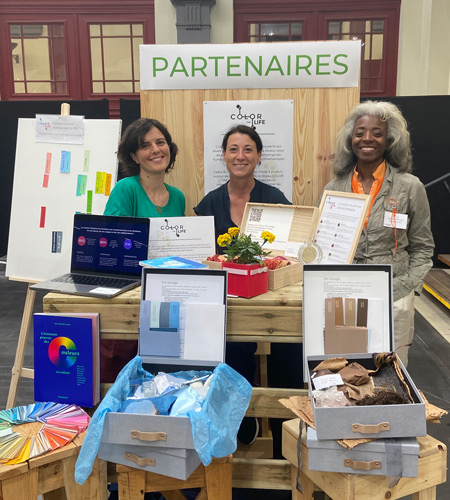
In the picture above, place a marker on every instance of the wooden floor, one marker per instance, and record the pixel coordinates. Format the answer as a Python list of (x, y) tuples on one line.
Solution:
[(437, 283), (435, 312)]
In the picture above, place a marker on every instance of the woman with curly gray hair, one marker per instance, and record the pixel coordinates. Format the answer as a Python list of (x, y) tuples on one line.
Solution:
[(373, 156)]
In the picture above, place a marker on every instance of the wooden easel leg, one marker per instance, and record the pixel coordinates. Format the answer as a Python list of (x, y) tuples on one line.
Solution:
[(21, 346)]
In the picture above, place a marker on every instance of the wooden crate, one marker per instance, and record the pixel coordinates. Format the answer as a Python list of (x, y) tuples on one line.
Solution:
[(302, 229), (212, 264), (278, 278), (432, 471)]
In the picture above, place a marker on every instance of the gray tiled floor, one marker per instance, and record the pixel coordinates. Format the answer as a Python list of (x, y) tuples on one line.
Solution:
[(429, 367)]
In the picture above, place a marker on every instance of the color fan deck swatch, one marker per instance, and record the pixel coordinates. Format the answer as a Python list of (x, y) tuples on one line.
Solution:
[(29, 431)]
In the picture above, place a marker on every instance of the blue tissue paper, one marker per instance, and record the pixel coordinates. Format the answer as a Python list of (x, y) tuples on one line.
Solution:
[(214, 425)]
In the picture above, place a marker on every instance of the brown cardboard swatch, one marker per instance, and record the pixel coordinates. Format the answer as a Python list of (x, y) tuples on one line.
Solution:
[(361, 314), (345, 340), (329, 312), (338, 311), (350, 312)]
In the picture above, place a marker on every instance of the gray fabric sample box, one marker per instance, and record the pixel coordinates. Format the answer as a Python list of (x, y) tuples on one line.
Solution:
[(155, 443), (377, 421), (373, 285), (364, 284), (159, 443), (382, 457)]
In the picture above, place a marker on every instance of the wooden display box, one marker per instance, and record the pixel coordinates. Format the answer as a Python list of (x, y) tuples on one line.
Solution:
[(288, 275), (212, 264), (302, 229), (277, 278)]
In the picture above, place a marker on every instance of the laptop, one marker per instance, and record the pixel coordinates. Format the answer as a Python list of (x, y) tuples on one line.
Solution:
[(106, 251)]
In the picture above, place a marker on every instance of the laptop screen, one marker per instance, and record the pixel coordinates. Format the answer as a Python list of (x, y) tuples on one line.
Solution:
[(110, 245)]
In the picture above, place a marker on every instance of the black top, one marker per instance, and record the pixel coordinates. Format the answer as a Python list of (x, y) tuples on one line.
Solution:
[(217, 203)]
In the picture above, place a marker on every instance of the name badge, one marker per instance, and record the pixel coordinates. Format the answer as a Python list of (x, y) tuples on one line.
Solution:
[(400, 222)]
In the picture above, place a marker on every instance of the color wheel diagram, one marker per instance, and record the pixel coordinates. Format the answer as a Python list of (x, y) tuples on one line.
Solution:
[(57, 357)]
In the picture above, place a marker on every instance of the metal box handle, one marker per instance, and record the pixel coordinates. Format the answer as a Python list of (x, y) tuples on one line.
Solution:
[(359, 465), (141, 461), (149, 436), (371, 429)]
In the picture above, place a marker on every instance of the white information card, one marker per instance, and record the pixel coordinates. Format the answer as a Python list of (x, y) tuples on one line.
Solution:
[(188, 237), (200, 336)]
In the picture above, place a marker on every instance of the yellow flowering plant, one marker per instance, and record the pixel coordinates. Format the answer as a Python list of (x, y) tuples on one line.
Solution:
[(241, 249)]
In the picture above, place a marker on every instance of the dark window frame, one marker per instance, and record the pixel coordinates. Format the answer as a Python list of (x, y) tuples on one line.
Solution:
[(315, 15), (74, 16)]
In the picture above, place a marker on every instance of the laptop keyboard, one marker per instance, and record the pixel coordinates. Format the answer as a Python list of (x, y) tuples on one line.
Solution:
[(101, 281)]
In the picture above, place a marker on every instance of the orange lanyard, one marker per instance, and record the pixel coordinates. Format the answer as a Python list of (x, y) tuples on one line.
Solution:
[(393, 203)]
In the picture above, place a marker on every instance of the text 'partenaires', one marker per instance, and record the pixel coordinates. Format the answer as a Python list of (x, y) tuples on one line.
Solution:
[(257, 65)]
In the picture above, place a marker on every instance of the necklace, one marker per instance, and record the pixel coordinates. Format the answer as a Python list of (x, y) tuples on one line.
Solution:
[(156, 196)]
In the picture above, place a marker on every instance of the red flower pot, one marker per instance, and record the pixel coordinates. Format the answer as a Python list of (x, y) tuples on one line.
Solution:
[(246, 280)]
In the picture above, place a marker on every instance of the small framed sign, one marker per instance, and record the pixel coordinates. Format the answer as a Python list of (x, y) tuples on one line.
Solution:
[(339, 225)]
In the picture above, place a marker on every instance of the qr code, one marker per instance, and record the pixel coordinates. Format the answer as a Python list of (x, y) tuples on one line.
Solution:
[(255, 214)]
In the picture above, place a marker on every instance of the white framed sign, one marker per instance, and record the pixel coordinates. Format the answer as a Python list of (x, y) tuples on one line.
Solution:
[(373, 282), (274, 122), (339, 225)]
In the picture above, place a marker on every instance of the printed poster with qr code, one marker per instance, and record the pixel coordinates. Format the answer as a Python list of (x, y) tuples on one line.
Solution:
[(274, 122), (269, 219)]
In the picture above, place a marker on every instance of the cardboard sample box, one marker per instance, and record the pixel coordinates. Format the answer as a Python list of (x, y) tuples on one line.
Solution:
[(164, 444), (373, 283), (301, 221), (381, 457)]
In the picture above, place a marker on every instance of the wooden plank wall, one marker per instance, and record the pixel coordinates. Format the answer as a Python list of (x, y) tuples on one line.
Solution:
[(318, 115)]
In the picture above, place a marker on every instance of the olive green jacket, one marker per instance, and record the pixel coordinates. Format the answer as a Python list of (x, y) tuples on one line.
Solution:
[(412, 260)]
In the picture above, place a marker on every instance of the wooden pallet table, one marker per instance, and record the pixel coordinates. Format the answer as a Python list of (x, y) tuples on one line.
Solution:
[(432, 471), (275, 316), (52, 475), (214, 482)]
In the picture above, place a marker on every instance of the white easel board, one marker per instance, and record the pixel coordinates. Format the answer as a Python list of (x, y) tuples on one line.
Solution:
[(51, 183)]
